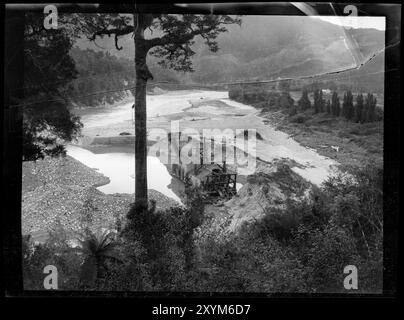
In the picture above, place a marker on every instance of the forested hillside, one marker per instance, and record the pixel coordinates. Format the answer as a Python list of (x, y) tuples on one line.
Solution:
[(101, 76), (281, 47)]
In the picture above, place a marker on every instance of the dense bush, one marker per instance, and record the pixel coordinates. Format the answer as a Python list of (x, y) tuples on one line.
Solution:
[(56, 251), (306, 246), (263, 99), (279, 226), (298, 118)]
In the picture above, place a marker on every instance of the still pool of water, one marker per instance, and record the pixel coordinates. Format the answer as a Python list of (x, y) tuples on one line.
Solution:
[(119, 167)]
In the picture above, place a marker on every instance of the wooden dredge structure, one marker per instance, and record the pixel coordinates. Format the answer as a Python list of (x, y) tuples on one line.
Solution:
[(216, 179), (221, 183)]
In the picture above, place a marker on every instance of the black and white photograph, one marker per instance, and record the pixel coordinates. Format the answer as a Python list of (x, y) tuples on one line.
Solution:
[(202, 148)]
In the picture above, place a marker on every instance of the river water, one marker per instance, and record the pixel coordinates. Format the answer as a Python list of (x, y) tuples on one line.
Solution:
[(119, 167)]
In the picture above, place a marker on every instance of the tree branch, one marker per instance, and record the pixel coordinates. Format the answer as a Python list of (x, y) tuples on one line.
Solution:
[(116, 43), (201, 29), (115, 32), (170, 39)]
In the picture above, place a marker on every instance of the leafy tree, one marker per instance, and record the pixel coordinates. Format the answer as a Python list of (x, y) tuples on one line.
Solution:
[(344, 105), (347, 106), (370, 109), (321, 102), (316, 101), (304, 102), (351, 108), (328, 107), (359, 108), (335, 104), (97, 248), (172, 47), (48, 69)]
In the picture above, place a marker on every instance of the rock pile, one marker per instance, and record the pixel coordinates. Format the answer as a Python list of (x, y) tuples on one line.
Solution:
[(268, 189)]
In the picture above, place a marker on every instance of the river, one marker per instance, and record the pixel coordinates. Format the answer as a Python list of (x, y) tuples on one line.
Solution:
[(196, 109)]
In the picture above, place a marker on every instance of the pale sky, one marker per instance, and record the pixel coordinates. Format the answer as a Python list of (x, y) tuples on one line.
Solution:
[(378, 23)]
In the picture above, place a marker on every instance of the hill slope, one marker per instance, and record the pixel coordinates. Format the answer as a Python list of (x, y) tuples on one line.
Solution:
[(265, 47)]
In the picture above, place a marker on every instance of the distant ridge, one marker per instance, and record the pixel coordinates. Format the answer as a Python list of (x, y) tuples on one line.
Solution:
[(271, 47)]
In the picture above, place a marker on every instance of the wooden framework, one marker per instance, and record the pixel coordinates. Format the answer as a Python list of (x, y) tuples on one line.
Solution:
[(221, 183)]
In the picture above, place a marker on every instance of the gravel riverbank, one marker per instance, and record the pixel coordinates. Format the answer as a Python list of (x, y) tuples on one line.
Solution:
[(62, 193)]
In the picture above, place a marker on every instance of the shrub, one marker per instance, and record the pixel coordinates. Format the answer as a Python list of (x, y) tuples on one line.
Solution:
[(55, 251), (97, 248), (245, 262), (298, 118), (278, 225), (167, 237), (326, 253)]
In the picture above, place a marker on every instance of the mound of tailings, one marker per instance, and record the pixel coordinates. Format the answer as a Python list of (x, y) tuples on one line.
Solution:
[(266, 191)]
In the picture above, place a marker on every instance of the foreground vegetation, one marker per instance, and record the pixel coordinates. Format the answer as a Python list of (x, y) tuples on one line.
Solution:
[(301, 248)]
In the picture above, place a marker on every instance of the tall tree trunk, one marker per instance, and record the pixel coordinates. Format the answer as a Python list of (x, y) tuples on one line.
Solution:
[(142, 75)]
